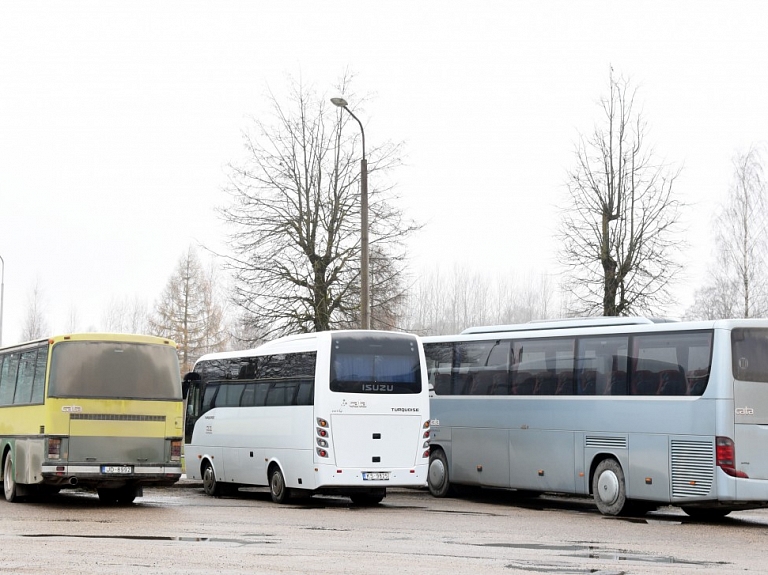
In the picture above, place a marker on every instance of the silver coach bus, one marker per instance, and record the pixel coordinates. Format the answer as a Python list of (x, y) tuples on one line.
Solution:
[(632, 412)]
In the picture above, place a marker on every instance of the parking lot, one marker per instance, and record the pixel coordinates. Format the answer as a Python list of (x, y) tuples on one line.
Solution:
[(181, 530)]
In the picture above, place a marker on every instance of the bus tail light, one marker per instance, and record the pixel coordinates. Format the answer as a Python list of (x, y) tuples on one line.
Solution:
[(176, 450), (726, 457), (323, 429), (425, 454), (54, 448)]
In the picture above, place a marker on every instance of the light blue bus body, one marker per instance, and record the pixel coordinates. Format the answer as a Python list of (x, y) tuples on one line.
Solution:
[(634, 415)]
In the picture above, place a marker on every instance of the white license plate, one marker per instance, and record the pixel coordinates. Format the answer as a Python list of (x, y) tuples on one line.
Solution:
[(116, 469), (376, 476)]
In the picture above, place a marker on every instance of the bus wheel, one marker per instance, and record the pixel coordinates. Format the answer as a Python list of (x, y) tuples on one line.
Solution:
[(706, 513), (608, 487), (437, 476), (9, 483), (277, 488), (210, 485)]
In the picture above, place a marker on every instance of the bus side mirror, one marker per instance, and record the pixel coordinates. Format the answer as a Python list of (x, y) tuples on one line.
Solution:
[(187, 382)]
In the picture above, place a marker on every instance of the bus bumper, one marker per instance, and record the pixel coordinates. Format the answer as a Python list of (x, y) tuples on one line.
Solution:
[(327, 476), (110, 476)]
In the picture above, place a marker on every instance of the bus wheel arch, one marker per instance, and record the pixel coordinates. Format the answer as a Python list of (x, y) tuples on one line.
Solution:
[(277, 487), (609, 486), (437, 474), (211, 485)]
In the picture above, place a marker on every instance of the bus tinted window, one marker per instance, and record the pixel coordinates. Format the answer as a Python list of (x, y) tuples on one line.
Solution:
[(601, 367), (25, 377), (379, 363), (660, 364), (229, 395), (750, 354), (8, 378), (257, 381), (670, 363), (38, 386), (102, 369)]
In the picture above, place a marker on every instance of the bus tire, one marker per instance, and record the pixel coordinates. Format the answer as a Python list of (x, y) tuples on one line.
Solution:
[(608, 487), (210, 485), (9, 482), (277, 489), (437, 475)]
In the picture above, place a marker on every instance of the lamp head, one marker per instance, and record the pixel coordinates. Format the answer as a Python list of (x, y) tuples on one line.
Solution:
[(340, 102)]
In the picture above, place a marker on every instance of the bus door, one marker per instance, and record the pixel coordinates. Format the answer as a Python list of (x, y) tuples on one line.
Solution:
[(191, 392), (750, 395)]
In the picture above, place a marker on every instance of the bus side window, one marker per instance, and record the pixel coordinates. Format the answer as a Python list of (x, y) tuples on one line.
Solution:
[(249, 395), (306, 393), (281, 393), (209, 398), (262, 387), (38, 386), (25, 377)]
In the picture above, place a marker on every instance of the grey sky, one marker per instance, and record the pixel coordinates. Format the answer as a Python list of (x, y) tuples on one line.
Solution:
[(117, 120)]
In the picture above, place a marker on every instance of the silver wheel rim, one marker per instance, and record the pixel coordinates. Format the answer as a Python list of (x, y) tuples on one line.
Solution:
[(208, 479), (277, 484), (608, 487), (8, 477), (436, 473)]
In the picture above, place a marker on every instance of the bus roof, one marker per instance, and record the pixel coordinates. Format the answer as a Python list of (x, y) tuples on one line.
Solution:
[(565, 323), (579, 327), (95, 336)]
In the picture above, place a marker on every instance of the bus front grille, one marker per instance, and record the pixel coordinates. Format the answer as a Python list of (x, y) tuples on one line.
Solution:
[(693, 464)]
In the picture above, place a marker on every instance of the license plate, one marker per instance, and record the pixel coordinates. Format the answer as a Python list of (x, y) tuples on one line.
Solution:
[(116, 469), (376, 476)]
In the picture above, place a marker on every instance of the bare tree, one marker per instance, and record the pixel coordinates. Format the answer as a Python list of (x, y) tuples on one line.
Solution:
[(35, 324), (127, 316), (295, 221), (189, 313), (618, 231), (444, 304), (739, 282)]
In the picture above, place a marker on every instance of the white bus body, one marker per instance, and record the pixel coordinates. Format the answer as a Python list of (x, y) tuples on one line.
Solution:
[(634, 415), (331, 412)]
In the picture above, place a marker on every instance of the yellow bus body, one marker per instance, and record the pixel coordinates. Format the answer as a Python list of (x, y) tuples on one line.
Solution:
[(115, 445)]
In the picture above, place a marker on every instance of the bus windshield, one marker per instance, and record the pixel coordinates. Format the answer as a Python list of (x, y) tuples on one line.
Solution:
[(375, 364), (103, 369)]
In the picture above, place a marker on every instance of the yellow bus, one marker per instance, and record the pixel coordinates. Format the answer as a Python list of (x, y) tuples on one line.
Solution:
[(98, 411)]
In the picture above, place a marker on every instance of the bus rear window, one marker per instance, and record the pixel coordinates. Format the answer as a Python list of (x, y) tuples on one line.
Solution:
[(750, 354), (381, 363), (119, 370)]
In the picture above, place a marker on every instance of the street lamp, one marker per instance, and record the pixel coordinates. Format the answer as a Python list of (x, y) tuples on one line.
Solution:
[(365, 313), (2, 290)]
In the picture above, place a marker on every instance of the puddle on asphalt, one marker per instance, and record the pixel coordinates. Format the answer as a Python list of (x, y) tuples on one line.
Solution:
[(155, 538), (596, 552)]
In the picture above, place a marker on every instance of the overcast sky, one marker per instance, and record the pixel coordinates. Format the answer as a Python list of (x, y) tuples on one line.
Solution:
[(117, 121)]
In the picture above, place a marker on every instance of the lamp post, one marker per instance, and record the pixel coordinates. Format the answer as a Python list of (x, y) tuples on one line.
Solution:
[(2, 290), (365, 312)]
